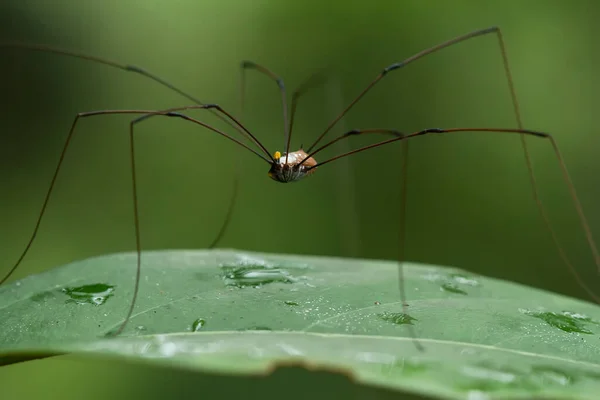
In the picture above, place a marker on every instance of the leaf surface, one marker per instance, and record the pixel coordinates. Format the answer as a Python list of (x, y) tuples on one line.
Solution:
[(247, 313)]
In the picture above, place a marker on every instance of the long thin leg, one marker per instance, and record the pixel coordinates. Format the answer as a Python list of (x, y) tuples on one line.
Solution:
[(237, 170), (236, 176), (218, 112), (348, 214), (64, 151), (315, 80), (402, 232), (353, 132), (402, 240), (110, 63), (418, 133), (138, 239), (245, 132), (231, 206), (415, 57), (522, 132), (280, 84), (136, 211), (318, 79), (229, 214)]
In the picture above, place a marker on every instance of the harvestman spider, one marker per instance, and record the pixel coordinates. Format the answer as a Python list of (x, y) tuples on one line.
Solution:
[(293, 166)]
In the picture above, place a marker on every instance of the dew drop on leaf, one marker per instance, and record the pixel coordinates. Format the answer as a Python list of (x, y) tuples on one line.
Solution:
[(198, 324), (397, 318), (564, 321), (449, 287), (96, 294)]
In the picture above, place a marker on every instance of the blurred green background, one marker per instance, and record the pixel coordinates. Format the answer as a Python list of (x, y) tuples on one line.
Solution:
[(470, 202)]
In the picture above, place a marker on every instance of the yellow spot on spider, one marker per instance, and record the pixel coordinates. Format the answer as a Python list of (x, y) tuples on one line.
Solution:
[(277, 155)]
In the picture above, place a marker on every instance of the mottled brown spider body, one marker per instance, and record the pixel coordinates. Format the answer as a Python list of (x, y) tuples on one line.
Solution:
[(291, 167)]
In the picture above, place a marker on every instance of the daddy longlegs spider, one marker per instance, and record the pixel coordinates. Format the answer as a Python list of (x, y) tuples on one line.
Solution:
[(293, 166)]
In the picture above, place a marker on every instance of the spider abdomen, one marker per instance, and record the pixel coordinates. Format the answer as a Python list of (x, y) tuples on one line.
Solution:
[(292, 167)]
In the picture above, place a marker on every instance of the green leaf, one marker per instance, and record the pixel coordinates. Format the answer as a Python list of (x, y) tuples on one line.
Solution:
[(248, 313)]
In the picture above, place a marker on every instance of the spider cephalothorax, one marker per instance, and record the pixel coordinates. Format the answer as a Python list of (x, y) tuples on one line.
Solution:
[(290, 167)]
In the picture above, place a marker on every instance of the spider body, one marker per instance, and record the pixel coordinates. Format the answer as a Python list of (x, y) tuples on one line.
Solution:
[(291, 167)]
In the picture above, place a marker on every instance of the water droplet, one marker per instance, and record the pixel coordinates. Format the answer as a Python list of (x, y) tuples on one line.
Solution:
[(464, 280), (551, 374), (563, 321), (579, 316), (397, 318), (452, 282), (488, 377), (256, 276), (488, 373), (449, 287), (198, 324), (290, 303), (96, 294)]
